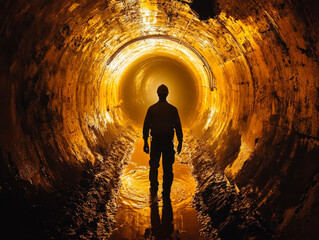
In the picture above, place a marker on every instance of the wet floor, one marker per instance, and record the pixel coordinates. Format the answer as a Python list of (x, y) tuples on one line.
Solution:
[(140, 217)]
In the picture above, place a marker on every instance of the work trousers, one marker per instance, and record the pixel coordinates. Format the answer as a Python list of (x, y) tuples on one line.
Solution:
[(166, 149)]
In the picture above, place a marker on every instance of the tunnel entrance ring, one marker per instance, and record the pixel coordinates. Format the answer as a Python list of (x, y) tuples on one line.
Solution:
[(158, 47), (211, 79)]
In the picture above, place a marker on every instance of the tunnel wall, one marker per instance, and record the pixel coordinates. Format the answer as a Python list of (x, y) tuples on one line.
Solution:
[(56, 121), (269, 148), (260, 126)]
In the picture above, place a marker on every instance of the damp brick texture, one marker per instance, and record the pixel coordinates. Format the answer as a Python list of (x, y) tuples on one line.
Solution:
[(75, 82)]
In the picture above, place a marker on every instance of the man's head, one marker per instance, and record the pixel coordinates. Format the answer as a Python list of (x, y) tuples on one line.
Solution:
[(162, 92)]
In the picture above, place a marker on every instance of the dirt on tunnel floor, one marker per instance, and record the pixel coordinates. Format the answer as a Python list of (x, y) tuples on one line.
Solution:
[(98, 207)]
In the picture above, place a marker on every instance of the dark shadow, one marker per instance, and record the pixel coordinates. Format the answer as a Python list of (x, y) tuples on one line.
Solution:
[(160, 228), (205, 8), (167, 219)]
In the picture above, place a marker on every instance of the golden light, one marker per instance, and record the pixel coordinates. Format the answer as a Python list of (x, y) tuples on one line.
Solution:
[(76, 80), (139, 68)]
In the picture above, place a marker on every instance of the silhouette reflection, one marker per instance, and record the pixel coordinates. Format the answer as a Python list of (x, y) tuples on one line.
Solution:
[(133, 218), (160, 228)]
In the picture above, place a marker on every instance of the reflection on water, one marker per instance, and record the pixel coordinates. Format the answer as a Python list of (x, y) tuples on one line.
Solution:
[(161, 228), (140, 217)]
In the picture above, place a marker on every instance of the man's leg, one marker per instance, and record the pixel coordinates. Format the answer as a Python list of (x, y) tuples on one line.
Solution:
[(168, 160), (155, 156)]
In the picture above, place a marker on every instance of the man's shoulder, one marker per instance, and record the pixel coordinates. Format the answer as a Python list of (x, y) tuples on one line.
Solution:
[(152, 106), (160, 105), (172, 106)]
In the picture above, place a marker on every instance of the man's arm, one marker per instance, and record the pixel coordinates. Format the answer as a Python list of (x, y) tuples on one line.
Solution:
[(146, 130), (179, 132)]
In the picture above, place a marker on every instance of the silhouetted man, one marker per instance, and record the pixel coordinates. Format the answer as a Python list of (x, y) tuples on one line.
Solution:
[(162, 118)]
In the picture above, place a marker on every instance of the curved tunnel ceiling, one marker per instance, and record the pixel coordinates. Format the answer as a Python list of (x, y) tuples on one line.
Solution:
[(73, 73)]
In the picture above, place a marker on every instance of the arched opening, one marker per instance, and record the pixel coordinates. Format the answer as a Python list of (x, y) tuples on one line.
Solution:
[(76, 79)]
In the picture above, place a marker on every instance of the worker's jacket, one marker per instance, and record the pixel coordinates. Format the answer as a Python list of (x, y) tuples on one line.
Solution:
[(162, 118)]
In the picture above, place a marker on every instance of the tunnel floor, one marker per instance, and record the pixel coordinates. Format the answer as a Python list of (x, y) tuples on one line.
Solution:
[(207, 207), (140, 217)]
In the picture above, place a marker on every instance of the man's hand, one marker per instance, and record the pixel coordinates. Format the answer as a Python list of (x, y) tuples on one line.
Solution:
[(179, 147), (146, 148)]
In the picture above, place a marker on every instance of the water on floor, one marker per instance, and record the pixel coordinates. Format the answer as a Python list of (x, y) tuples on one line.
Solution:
[(140, 217)]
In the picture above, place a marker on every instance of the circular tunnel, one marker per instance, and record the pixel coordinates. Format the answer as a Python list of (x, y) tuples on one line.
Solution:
[(78, 76)]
